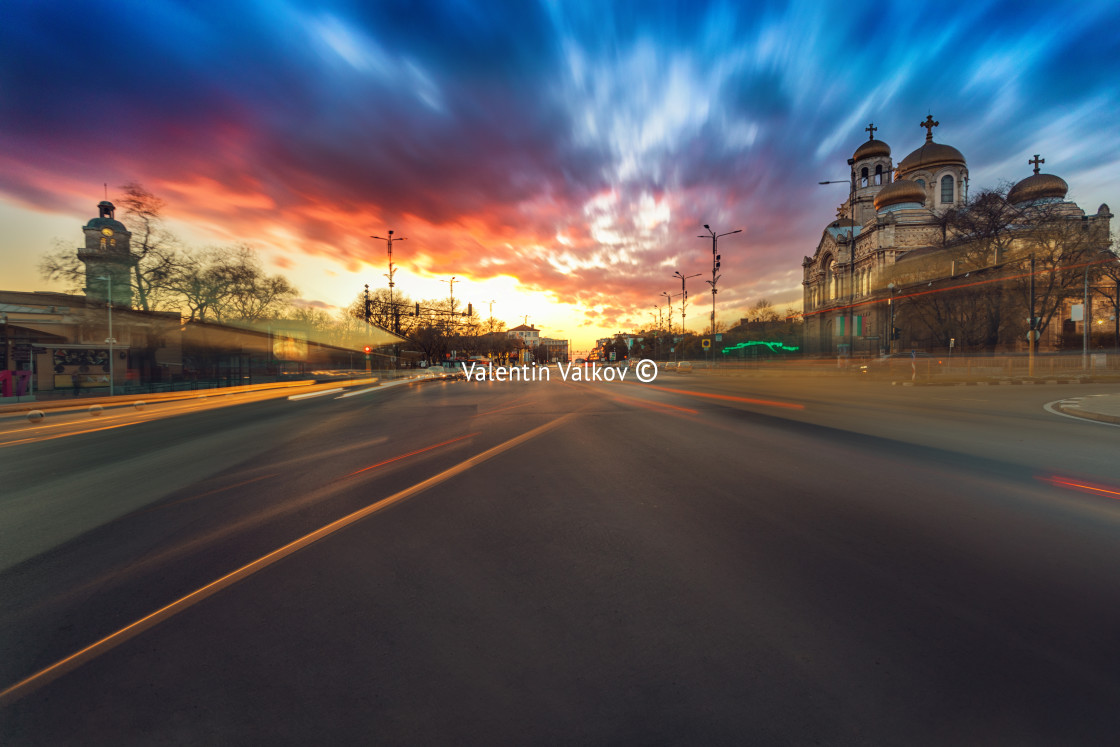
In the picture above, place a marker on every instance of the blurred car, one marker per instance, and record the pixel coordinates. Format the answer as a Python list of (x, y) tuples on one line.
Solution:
[(684, 367)]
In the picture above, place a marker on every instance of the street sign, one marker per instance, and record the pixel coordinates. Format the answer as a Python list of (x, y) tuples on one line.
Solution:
[(719, 338), (706, 343), (872, 337)]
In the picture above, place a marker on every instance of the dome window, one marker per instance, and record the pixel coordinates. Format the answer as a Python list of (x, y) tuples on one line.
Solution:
[(946, 189)]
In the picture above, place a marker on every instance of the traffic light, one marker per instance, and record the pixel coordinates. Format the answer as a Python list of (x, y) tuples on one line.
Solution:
[(470, 310), (417, 312), (895, 333), (367, 350)]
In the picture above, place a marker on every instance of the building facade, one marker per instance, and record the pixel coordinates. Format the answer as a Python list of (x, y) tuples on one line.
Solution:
[(896, 241)]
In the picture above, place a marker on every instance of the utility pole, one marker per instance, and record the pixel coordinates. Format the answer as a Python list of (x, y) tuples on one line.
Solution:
[(451, 282), (109, 340), (394, 320), (1032, 333), (715, 267)]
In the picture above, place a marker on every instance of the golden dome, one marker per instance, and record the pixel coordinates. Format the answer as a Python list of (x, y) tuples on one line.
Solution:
[(898, 192), (872, 148), (930, 156), (1037, 187)]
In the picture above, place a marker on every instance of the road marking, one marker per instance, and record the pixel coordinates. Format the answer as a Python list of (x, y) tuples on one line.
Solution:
[(47, 675), (729, 398), (501, 409), (1049, 407), (379, 387), (315, 394), (650, 405)]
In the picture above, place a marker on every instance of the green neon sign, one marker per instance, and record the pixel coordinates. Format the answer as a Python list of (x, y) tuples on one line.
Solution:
[(774, 347)]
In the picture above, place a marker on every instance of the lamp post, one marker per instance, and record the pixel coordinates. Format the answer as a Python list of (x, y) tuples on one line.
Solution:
[(684, 296), (890, 330), (669, 307), (109, 340), (1085, 320), (851, 240), (715, 267)]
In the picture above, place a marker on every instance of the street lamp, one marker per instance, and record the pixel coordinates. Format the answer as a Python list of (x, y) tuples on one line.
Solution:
[(715, 268), (669, 306), (851, 241), (110, 341), (890, 330), (684, 296), (1085, 312)]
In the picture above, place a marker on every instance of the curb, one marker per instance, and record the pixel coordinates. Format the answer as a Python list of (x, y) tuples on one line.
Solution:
[(1001, 382), (1073, 408)]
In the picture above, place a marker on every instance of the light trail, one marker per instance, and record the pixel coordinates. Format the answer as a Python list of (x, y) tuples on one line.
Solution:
[(44, 676)]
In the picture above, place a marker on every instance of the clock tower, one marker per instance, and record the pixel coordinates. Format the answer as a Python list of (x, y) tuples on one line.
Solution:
[(107, 254)]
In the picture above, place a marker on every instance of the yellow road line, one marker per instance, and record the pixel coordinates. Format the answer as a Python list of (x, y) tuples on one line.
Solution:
[(47, 675)]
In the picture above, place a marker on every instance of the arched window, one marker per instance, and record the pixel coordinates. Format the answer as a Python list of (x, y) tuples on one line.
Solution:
[(922, 182), (946, 189), (829, 278), (879, 174), (863, 177)]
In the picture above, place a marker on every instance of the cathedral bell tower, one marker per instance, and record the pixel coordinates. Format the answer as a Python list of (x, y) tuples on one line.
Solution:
[(107, 254)]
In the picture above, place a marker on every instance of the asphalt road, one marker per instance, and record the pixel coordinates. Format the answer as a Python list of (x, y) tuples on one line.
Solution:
[(705, 560)]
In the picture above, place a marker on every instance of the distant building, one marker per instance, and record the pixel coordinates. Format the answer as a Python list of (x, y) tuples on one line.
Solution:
[(557, 349), (528, 335)]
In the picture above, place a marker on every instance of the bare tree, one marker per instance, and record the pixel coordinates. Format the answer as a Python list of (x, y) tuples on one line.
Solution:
[(154, 249), (253, 294), (63, 266), (1057, 248), (763, 311)]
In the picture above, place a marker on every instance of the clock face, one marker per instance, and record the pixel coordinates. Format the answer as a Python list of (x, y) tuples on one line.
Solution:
[(107, 231)]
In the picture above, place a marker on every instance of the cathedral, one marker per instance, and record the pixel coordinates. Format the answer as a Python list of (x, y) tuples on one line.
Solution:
[(889, 244)]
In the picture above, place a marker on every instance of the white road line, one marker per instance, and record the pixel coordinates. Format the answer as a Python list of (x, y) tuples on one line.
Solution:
[(315, 394), (374, 388), (1049, 407)]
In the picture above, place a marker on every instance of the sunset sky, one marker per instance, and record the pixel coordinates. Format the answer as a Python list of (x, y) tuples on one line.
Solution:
[(558, 157)]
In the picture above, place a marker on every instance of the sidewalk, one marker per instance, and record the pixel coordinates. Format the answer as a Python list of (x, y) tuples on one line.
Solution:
[(1101, 407)]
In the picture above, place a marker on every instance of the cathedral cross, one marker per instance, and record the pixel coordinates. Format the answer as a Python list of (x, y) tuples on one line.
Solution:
[(929, 124), (1036, 161), (871, 128)]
